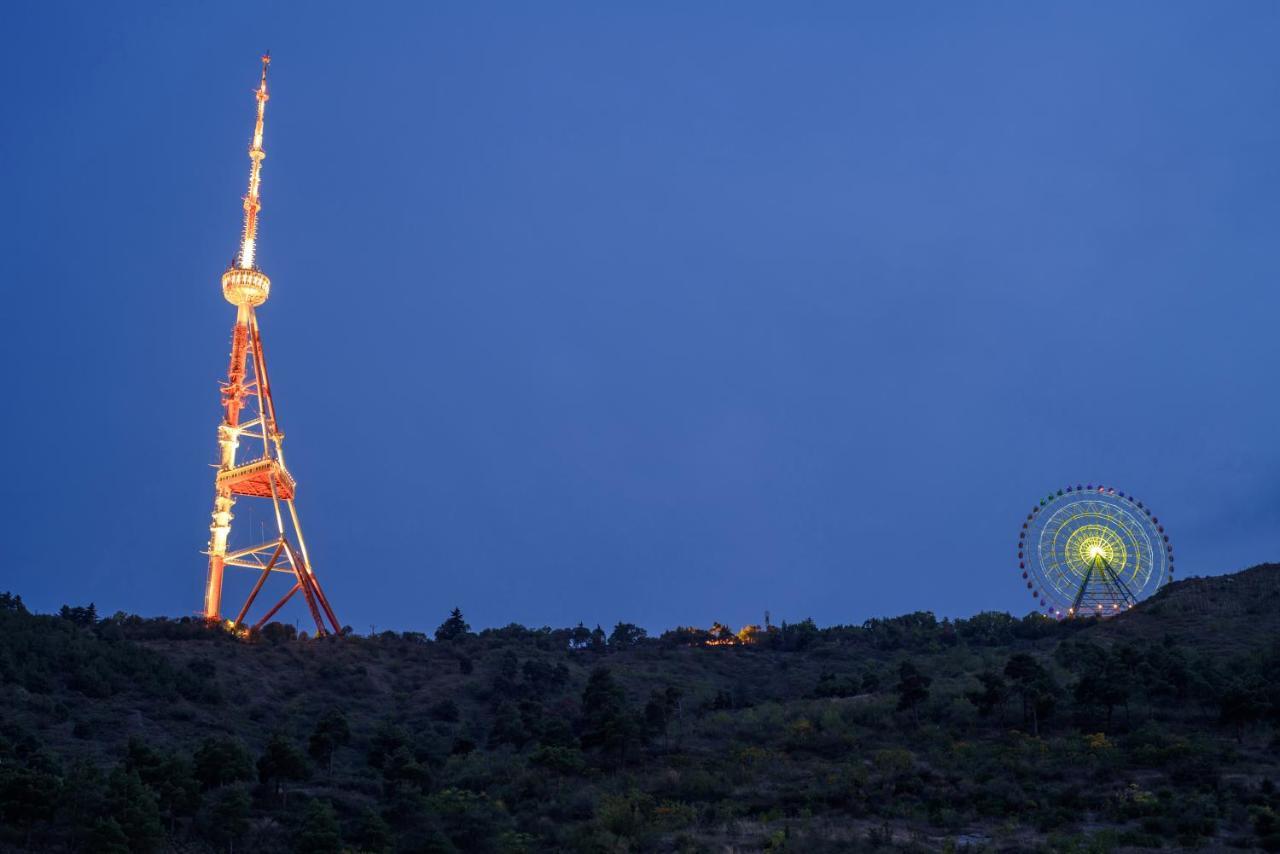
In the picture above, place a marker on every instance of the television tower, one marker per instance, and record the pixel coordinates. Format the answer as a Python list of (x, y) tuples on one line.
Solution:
[(249, 420)]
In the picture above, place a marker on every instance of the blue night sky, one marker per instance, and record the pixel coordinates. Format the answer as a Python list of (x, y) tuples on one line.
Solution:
[(665, 313)]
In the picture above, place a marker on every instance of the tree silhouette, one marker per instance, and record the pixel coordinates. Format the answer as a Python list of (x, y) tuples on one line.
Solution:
[(320, 833), (993, 694), (606, 723), (1241, 702), (913, 689), (280, 761), (660, 710), (1034, 685), (226, 819), (454, 627), (133, 807), (219, 761), (331, 732), (85, 615), (626, 635)]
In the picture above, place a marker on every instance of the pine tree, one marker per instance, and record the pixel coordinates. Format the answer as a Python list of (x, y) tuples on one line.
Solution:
[(606, 722), (372, 832), (280, 761), (133, 807), (1034, 685), (226, 818), (219, 761), (331, 732), (454, 627), (913, 689), (320, 833), (994, 693)]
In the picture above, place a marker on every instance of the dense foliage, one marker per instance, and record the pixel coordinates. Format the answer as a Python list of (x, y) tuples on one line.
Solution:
[(1155, 729)]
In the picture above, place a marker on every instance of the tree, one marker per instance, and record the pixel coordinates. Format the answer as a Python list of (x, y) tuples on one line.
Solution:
[(372, 832), (508, 726), (226, 817), (598, 639), (659, 711), (1104, 677), (796, 636), (606, 723), (993, 694), (1034, 685), (722, 635), (280, 761), (453, 628), (81, 801), (579, 636), (913, 689), (385, 741), (1240, 703), (626, 635), (108, 837), (401, 772), (169, 775), (278, 633), (80, 615), (470, 819), (508, 665), (331, 732), (133, 807), (1101, 690), (446, 710), (320, 833), (27, 796), (219, 761)]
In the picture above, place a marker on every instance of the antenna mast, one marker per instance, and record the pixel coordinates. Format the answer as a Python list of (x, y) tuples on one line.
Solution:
[(252, 203)]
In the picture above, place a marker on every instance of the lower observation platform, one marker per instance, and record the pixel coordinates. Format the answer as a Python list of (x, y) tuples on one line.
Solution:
[(255, 479)]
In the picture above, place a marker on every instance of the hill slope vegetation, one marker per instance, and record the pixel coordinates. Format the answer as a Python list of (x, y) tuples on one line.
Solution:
[(1157, 729)]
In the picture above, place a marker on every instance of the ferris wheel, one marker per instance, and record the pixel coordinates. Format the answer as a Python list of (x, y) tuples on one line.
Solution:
[(1090, 550)]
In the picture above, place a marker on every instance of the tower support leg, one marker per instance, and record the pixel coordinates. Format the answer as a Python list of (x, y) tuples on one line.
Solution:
[(276, 607), (219, 531), (257, 588)]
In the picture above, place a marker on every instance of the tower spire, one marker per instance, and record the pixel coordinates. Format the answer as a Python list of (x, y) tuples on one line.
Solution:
[(243, 284), (252, 202)]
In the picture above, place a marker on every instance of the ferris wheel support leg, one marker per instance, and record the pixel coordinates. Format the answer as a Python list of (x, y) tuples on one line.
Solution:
[(1075, 606), (1120, 585)]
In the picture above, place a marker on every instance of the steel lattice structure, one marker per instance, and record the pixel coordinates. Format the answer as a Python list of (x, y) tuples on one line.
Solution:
[(249, 426), (1092, 550)]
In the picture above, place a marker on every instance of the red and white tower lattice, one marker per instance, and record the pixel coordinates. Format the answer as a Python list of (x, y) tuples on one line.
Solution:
[(249, 423)]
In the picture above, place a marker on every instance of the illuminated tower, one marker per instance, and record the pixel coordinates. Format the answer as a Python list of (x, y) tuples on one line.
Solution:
[(249, 424)]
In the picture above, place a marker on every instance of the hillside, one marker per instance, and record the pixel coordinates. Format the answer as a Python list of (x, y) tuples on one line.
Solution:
[(1153, 730), (1223, 614)]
